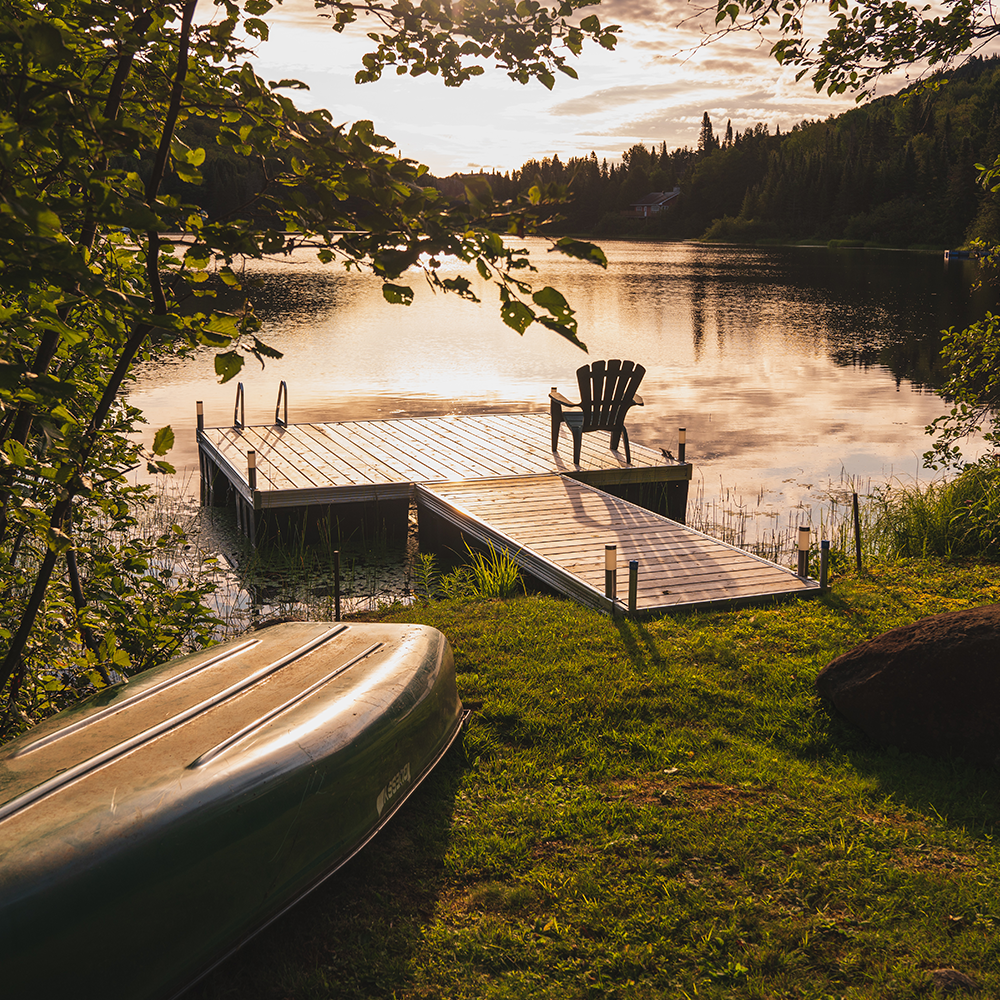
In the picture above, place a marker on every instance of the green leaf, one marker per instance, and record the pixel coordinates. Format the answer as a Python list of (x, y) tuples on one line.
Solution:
[(255, 26), (10, 375), (44, 41), (591, 24), (58, 540), (227, 365), (16, 453), (555, 303), (39, 217), (516, 315), (262, 350), (397, 294), (582, 250), (223, 324), (163, 440)]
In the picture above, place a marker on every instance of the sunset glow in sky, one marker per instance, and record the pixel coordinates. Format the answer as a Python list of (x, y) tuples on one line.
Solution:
[(655, 86)]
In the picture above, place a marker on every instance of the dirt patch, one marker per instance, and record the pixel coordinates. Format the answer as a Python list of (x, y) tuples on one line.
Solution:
[(667, 789), (550, 848)]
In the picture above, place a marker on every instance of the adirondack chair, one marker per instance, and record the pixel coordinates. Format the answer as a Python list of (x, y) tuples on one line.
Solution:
[(607, 391)]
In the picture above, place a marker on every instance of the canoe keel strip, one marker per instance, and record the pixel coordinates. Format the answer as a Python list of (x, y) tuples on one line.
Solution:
[(184, 810)]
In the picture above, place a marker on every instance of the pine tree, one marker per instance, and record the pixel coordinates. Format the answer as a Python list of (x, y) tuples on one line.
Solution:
[(706, 137)]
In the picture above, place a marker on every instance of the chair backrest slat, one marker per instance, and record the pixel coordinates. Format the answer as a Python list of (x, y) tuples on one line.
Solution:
[(606, 392)]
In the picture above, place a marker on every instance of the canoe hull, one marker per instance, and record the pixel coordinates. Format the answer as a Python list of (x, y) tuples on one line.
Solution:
[(177, 846)]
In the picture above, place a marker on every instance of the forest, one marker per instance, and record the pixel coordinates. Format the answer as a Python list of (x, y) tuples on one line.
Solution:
[(898, 171)]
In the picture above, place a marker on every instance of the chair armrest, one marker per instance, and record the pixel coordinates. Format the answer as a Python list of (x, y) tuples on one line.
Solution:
[(637, 400), (560, 398)]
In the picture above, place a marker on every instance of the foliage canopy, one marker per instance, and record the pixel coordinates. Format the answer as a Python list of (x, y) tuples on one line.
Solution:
[(859, 43), (99, 267)]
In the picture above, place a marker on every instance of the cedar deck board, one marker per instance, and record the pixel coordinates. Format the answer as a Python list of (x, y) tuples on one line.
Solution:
[(451, 459), (487, 442), (322, 460), (350, 456), (407, 465)]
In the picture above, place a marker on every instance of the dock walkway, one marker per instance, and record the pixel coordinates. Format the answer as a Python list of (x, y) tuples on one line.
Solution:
[(557, 529), (496, 479)]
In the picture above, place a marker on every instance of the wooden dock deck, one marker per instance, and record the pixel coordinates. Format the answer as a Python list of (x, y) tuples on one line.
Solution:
[(304, 464), (557, 529), (495, 479)]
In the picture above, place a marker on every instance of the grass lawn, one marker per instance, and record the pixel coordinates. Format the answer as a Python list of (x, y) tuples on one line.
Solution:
[(662, 809)]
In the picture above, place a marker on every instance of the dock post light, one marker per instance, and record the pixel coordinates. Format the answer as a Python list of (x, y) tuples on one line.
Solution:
[(611, 572), (252, 469), (633, 584), (803, 550), (682, 435), (824, 563), (199, 409)]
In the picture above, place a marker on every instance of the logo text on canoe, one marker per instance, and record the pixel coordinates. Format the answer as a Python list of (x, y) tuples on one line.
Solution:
[(402, 777)]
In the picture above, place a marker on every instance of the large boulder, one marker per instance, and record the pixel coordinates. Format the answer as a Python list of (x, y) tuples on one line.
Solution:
[(932, 687)]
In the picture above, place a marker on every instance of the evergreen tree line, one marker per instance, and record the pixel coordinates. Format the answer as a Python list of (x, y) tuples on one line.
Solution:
[(898, 171)]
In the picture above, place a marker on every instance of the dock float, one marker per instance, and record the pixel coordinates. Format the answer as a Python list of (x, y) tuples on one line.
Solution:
[(557, 529)]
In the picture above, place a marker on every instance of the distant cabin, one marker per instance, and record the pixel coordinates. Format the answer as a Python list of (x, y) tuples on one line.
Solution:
[(654, 203)]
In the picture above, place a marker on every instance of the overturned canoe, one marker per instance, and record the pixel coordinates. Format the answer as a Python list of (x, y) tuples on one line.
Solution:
[(150, 830)]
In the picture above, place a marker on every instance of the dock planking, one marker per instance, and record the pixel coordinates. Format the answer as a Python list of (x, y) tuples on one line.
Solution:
[(557, 528), (329, 463), (495, 479)]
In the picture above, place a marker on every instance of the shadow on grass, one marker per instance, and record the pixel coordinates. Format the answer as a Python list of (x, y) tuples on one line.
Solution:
[(963, 795), (353, 937), (640, 644)]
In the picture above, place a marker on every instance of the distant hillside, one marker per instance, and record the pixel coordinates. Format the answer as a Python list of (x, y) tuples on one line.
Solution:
[(898, 171)]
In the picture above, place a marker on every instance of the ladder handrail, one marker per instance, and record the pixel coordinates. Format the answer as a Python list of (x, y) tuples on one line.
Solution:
[(239, 415), (282, 395)]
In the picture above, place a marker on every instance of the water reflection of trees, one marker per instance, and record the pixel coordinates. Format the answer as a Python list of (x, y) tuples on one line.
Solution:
[(916, 360)]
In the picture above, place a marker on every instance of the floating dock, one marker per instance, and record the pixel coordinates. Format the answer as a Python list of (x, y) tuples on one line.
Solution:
[(351, 466), (493, 479)]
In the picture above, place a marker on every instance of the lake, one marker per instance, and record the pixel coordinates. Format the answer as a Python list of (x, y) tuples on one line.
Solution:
[(797, 371)]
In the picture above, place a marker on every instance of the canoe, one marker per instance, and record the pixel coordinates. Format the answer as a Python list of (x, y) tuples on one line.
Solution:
[(149, 831)]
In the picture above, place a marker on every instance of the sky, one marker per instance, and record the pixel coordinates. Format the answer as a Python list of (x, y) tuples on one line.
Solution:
[(654, 87)]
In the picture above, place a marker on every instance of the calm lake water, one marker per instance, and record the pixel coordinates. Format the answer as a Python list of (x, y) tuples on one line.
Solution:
[(795, 370)]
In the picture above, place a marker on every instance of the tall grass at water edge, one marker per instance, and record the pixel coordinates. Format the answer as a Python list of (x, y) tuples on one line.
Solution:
[(950, 518)]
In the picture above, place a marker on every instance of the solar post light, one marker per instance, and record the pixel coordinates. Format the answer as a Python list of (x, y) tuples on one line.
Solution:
[(803, 550), (611, 571)]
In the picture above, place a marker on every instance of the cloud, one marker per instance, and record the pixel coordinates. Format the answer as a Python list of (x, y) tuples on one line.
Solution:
[(655, 12), (616, 97)]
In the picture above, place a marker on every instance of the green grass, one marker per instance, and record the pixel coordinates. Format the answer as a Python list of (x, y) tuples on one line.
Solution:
[(661, 809)]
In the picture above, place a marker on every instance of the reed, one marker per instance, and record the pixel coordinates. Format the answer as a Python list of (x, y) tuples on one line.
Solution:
[(954, 518)]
